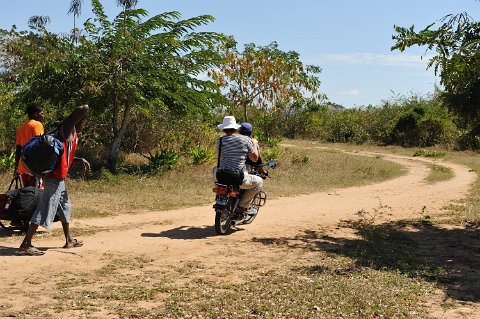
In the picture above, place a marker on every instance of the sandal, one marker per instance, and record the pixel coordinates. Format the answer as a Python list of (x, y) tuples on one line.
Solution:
[(30, 251), (75, 243)]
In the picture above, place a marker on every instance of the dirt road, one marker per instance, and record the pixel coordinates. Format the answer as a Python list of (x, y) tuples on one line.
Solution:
[(187, 234)]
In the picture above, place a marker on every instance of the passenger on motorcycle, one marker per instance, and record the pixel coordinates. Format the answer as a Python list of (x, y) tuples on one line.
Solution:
[(233, 150), (247, 130)]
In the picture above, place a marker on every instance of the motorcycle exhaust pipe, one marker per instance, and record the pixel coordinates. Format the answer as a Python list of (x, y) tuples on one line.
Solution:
[(235, 222)]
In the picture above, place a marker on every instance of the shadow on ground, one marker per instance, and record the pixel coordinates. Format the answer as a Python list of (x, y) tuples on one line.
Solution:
[(184, 232), (10, 233), (446, 255), (11, 251)]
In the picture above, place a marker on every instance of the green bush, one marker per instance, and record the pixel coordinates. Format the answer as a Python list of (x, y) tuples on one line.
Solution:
[(7, 162), (106, 175), (297, 159), (270, 154), (165, 159), (269, 141), (424, 122), (346, 126), (201, 154), (429, 153)]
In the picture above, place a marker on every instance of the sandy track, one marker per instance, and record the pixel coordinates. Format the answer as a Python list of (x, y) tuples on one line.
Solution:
[(188, 234)]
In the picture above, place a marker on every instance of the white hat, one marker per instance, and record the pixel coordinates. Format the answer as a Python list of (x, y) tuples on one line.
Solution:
[(229, 123)]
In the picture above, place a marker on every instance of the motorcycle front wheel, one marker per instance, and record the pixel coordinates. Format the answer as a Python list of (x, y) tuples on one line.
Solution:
[(222, 221)]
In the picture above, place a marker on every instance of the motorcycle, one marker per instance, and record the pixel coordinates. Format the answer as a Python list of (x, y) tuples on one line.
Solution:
[(228, 197)]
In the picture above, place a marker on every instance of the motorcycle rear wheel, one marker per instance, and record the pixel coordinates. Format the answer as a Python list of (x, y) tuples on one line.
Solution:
[(222, 221)]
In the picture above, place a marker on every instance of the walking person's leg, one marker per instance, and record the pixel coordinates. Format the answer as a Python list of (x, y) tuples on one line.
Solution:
[(53, 200), (48, 202), (26, 247), (64, 213)]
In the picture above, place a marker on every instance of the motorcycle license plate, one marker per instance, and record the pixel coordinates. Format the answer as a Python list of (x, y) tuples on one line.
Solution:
[(221, 199)]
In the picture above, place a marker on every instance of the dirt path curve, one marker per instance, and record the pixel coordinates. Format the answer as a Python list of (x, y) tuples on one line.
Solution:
[(178, 230), (187, 234)]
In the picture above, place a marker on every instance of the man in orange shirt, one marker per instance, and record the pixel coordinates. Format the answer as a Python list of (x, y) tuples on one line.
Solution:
[(54, 200), (32, 127)]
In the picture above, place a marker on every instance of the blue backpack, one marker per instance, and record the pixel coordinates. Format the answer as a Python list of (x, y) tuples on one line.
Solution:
[(41, 154)]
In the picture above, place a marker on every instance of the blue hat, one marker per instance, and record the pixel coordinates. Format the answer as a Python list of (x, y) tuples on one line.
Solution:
[(246, 128)]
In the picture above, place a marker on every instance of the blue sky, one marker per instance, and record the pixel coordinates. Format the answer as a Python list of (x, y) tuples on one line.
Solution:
[(349, 39)]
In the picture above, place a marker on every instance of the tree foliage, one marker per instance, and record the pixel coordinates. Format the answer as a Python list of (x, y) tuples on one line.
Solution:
[(267, 78), (132, 64), (457, 61)]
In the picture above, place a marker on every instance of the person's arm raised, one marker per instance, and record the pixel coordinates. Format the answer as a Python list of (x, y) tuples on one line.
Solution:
[(68, 125)]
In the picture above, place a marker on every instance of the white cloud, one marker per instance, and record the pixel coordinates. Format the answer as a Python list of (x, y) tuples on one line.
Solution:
[(407, 60), (353, 92)]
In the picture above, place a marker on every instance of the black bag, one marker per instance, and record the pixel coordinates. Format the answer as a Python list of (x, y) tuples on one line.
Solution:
[(229, 177), (24, 201), (41, 154)]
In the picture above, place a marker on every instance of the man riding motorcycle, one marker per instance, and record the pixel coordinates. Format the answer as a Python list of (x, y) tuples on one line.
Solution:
[(233, 150)]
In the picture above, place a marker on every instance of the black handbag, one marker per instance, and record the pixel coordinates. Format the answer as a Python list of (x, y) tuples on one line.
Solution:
[(229, 177)]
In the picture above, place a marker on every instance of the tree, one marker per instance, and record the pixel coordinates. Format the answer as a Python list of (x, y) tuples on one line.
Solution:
[(75, 9), (123, 66), (266, 77), (457, 61), (38, 22)]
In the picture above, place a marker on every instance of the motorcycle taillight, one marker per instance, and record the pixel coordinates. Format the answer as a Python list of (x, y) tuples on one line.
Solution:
[(221, 190)]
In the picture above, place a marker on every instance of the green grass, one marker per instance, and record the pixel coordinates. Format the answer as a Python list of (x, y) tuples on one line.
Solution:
[(430, 153)]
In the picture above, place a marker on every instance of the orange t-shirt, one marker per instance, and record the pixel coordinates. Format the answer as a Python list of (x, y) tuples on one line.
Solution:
[(25, 132)]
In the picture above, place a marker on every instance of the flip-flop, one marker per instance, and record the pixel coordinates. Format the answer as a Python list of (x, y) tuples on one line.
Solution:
[(76, 243), (30, 251)]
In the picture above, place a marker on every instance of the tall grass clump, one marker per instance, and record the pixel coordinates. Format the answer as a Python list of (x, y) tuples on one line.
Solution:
[(161, 160), (201, 154), (7, 161)]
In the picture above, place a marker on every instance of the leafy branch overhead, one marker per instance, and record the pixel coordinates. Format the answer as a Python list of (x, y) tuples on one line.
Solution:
[(456, 41)]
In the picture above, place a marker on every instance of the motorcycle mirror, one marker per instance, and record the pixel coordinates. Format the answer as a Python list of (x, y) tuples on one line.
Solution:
[(272, 164)]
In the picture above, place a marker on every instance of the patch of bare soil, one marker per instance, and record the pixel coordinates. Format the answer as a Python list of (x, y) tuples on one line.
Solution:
[(187, 237)]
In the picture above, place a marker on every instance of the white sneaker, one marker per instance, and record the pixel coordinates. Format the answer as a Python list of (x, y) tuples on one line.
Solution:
[(252, 213)]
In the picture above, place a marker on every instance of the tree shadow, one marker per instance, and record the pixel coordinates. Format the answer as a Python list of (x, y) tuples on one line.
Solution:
[(449, 256), (187, 232)]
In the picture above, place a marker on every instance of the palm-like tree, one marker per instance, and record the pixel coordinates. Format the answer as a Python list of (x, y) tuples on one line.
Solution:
[(127, 4), (76, 10), (38, 22)]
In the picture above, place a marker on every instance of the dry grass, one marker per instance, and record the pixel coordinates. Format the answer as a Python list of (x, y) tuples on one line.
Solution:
[(322, 285), (439, 173), (299, 171), (385, 272), (465, 212)]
